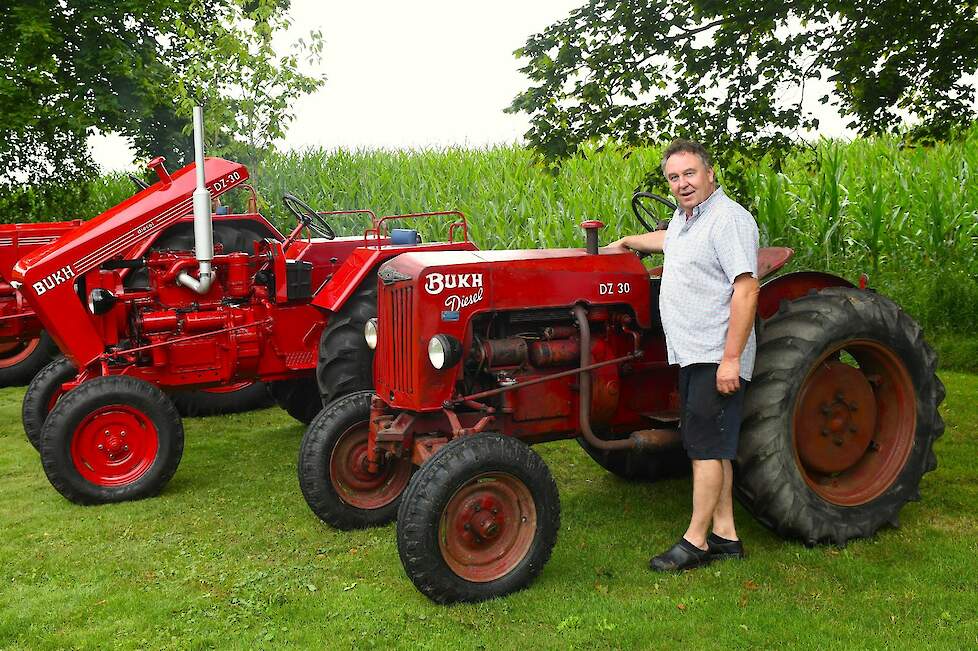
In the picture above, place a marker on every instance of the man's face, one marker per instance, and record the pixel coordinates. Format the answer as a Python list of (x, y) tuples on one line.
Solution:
[(690, 180)]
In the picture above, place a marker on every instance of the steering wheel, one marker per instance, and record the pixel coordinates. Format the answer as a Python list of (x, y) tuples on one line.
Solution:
[(640, 205), (308, 217)]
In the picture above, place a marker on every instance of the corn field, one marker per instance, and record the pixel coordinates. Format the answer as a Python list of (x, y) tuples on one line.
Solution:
[(907, 216)]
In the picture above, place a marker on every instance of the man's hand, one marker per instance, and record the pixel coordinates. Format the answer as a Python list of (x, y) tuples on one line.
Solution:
[(643, 243), (728, 376)]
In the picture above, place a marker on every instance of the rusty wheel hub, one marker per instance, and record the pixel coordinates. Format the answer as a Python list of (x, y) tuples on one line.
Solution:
[(854, 425), (843, 406), (349, 472), (487, 527)]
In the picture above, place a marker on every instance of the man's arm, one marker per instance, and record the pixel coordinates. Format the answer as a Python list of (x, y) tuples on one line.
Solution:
[(743, 306), (643, 243)]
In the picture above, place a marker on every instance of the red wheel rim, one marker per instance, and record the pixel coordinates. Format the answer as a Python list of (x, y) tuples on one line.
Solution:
[(353, 481), (228, 388), (15, 352), (854, 423), (487, 527), (114, 445)]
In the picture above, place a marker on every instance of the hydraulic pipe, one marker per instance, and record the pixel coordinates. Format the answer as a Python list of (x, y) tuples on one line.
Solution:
[(650, 439), (585, 383), (203, 228)]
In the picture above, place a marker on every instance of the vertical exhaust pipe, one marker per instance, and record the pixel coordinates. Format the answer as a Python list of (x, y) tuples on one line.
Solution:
[(591, 235), (203, 228)]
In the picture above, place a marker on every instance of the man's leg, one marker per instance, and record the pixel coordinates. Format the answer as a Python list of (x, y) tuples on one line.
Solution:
[(708, 483), (723, 517)]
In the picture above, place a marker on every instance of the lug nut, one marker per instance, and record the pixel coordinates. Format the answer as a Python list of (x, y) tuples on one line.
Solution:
[(476, 508), (467, 526), (825, 431), (838, 442), (826, 409), (853, 429), (853, 406), (101, 447)]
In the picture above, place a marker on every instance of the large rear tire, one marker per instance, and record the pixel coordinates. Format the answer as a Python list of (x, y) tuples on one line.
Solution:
[(840, 419), (299, 397), (20, 361), (333, 474), (242, 396), (478, 520), (345, 364), (42, 394), (111, 439)]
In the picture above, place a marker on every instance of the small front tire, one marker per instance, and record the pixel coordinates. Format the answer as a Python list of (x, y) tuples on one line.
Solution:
[(112, 439), (42, 394), (478, 520), (333, 475)]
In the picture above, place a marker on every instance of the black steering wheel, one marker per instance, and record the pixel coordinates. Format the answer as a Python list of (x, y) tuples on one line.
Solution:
[(641, 204), (308, 217)]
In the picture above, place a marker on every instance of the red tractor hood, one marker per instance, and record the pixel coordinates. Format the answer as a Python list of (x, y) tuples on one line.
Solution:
[(424, 294), (47, 275)]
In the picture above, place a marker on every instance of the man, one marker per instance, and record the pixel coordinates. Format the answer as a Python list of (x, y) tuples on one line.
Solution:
[(707, 299)]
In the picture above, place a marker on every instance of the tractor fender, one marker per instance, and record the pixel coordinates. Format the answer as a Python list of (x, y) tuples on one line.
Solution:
[(364, 261), (352, 272), (794, 285)]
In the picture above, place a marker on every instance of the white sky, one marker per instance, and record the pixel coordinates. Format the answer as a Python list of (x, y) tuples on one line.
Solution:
[(411, 74)]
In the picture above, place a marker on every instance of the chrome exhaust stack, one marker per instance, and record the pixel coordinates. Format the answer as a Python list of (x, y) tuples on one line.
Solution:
[(203, 227)]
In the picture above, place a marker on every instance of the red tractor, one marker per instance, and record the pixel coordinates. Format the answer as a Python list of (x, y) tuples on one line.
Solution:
[(25, 347), (201, 320), (481, 354)]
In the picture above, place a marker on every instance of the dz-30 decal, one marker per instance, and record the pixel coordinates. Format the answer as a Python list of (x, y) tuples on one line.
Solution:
[(608, 289)]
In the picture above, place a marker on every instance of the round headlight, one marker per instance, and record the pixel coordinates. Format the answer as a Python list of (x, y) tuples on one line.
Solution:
[(436, 353), (370, 333), (444, 351)]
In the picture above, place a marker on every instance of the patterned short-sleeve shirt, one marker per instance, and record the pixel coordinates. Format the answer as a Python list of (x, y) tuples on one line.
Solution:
[(703, 256)]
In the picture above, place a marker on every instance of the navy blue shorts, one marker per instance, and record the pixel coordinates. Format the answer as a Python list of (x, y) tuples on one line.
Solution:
[(710, 421)]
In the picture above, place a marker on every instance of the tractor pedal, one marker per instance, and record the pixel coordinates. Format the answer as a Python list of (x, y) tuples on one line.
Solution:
[(668, 419)]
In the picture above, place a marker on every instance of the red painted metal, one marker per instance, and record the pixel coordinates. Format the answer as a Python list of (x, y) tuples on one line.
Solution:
[(114, 445), (49, 274), (854, 423), (240, 330), (487, 527), (521, 374), (840, 418), (791, 286), (353, 480), (20, 328)]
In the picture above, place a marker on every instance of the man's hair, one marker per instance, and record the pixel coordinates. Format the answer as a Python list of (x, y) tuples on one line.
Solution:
[(681, 145)]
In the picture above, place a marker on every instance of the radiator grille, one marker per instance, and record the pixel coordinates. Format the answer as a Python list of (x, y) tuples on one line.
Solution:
[(399, 373)]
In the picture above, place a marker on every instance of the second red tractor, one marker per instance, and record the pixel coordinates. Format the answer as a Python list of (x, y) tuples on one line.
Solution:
[(480, 354), (202, 319)]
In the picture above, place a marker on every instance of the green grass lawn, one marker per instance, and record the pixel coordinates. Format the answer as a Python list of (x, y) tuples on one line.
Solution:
[(230, 556)]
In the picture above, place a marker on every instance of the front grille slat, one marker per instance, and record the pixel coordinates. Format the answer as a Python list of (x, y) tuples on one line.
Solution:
[(399, 340)]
